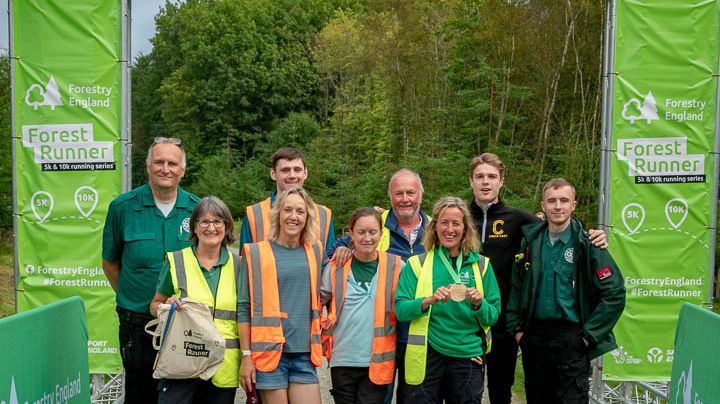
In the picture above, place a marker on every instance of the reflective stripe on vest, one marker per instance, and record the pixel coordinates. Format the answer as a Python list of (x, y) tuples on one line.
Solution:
[(416, 353), (384, 243), (382, 359), (188, 281), (259, 221), (266, 335)]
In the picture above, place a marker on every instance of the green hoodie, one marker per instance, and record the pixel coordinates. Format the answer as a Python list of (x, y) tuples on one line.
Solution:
[(599, 287)]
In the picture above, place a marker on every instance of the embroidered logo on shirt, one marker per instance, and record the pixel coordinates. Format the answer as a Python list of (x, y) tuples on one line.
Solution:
[(569, 255), (185, 225), (604, 273), (465, 278), (497, 231)]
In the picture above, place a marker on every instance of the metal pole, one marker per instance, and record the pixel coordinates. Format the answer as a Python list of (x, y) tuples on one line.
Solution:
[(606, 123), (126, 96), (598, 386), (716, 164), (12, 148)]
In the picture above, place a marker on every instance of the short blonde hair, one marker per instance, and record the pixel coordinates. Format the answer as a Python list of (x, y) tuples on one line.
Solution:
[(470, 240), (309, 233)]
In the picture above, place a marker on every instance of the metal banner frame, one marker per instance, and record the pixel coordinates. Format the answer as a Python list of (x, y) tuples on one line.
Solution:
[(638, 391), (105, 388)]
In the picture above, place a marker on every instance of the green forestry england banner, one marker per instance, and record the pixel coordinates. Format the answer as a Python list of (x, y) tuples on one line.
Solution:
[(661, 182), (67, 105), (695, 370), (44, 359)]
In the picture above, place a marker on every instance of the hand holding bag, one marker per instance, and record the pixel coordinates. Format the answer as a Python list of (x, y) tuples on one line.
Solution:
[(188, 341)]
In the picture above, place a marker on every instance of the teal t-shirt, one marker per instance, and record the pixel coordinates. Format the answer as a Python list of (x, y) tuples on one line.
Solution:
[(137, 234), (556, 285), (211, 275)]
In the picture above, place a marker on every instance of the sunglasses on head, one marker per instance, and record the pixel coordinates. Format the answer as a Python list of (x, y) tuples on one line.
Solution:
[(170, 140)]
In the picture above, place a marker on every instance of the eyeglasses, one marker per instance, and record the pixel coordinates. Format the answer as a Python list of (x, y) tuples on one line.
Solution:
[(216, 223), (170, 140)]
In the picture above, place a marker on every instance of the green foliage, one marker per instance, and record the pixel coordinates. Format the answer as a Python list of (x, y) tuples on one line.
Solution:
[(6, 203), (366, 88)]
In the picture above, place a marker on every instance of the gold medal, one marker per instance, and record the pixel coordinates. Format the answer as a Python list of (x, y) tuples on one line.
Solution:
[(457, 292)]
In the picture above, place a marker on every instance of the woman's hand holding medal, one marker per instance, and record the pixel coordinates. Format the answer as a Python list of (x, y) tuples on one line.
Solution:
[(456, 292), (474, 296), (442, 294)]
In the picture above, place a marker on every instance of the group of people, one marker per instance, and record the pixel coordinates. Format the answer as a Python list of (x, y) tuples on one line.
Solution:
[(406, 304)]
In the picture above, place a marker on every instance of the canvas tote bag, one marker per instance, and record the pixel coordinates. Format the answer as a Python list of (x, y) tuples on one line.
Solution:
[(188, 342)]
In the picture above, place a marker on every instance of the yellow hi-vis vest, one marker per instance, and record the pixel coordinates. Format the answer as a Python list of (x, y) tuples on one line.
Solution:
[(416, 353), (188, 281), (258, 216), (384, 243)]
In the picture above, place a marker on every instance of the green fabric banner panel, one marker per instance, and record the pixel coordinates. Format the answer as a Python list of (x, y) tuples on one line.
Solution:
[(44, 355), (663, 136), (68, 158), (695, 370)]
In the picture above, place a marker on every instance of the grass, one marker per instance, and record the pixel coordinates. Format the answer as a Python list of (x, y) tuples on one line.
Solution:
[(518, 389), (7, 280)]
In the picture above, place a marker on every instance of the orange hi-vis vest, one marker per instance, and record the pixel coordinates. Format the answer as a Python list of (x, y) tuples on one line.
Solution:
[(266, 334), (382, 360), (258, 216)]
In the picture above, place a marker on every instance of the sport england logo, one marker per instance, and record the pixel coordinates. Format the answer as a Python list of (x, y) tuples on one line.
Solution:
[(569, 255), (655, 355), (185, 226), (37, 95), (647, 110)]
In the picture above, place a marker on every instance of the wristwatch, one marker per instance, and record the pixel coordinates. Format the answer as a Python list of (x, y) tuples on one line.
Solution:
[(246, 352)]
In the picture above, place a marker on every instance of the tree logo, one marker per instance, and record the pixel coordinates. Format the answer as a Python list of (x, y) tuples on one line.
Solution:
[(13, 393), (684, 386), (37, 96), (633, 110)]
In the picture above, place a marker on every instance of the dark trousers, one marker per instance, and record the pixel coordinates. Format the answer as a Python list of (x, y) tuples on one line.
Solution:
[(556, 364), (400, 380), (501, 361), (351, 385), (193, 391), (138, 357), (455, 380)]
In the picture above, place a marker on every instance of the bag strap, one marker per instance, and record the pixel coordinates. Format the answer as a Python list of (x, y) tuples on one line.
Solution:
[(157, 345), (155, 333)]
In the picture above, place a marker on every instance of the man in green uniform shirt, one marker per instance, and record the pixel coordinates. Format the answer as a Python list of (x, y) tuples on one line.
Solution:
[(141, 226), (566, 296)]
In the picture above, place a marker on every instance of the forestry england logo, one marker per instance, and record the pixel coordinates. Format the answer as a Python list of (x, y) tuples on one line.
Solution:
[(684, 387), (37, 95), (60, 393), (13, 394), (633, 110)]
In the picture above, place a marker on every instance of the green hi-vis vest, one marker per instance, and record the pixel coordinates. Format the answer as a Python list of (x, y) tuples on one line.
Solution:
[(416, 353), (189, 282)]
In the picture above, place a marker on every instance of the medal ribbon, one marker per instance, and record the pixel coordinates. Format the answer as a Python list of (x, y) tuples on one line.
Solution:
[(448, 266)]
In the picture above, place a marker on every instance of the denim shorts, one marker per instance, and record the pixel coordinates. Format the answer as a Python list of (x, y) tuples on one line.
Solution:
[(293, 368)]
